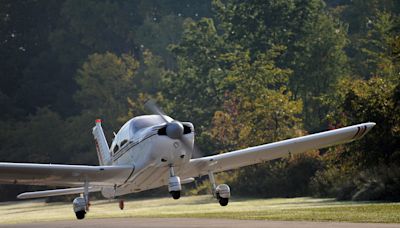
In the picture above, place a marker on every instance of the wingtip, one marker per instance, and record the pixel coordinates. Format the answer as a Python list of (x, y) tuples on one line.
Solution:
[(20, 196)]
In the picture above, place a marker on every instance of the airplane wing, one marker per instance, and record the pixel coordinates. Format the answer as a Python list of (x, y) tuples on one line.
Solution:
[(271, 151), (63, 175), (56, 192)]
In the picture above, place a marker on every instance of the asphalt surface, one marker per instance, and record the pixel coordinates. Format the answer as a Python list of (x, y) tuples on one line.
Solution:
[(194, 223)]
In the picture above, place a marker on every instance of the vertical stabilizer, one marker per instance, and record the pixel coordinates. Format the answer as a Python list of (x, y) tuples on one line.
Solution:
[(103, 151)]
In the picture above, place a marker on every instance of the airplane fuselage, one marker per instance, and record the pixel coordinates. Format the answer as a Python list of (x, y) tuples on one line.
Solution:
[(150, 152)]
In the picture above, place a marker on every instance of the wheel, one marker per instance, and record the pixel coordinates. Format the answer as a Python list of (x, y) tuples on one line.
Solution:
[(121, 204), (223, 201), (80, 214), (176, 194)]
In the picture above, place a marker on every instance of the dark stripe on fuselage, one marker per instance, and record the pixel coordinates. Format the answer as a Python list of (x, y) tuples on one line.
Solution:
[(133, 169)]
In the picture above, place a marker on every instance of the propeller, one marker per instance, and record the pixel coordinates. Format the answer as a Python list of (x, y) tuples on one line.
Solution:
[(174, 128)]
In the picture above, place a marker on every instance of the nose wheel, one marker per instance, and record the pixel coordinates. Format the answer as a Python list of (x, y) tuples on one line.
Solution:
[(174, 185), (176, 194)]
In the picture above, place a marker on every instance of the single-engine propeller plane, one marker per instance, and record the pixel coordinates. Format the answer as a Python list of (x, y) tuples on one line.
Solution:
[(155, 150)]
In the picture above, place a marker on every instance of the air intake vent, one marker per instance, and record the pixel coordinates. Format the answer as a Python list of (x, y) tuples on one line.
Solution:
[(186, 129), (162, 131)]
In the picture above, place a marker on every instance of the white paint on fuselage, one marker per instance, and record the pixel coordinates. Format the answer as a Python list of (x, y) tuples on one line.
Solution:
[(151, 155)]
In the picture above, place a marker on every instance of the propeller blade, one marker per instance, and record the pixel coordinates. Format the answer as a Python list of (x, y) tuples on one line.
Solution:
[(151, 105), (173, 130), (186, 145), (197, 153)]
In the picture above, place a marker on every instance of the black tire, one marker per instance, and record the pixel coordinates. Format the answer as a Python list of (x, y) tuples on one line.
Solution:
[(223, 201), (80, 214), (176, 194)]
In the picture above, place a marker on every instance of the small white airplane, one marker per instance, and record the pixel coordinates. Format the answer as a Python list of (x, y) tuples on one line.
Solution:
[(151, 151)]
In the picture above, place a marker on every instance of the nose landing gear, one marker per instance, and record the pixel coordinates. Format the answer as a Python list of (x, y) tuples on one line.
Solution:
[(174, 186)]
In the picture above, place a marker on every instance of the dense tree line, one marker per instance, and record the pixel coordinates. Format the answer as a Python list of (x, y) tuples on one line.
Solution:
[(244, 72)]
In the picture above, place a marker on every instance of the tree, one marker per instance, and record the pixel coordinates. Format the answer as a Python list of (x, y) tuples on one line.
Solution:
[(258, 109), (106, 82), (156, 34), (40, 139), (195, 86), (377, 46), (24, 30), (313, 38)]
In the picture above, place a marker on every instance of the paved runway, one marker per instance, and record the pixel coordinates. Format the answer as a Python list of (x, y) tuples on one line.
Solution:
[(194, 223)]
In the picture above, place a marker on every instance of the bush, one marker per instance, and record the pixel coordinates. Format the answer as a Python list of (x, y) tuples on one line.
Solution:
[(333, 182), (280, 178), (380, 183)]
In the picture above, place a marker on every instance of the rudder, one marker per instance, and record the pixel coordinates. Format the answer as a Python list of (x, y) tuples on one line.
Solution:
[(103, 151)]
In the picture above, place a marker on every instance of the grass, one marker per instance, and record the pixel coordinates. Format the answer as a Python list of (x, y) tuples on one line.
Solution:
[(293, 209)]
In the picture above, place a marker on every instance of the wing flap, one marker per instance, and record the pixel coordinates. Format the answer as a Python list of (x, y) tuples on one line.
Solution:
[(271, 151), (63, 175), (55, 192)]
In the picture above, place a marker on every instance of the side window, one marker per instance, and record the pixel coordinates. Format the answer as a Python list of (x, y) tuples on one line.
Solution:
[(123, 142), (116, 148)]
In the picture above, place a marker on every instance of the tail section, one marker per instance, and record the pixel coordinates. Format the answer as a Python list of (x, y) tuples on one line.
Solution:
[(103, 151)]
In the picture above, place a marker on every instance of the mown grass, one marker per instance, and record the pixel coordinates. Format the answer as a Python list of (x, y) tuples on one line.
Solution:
[(305, 209)]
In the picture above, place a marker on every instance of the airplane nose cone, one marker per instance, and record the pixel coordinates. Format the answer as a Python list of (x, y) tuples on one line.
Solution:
[(174, 130)]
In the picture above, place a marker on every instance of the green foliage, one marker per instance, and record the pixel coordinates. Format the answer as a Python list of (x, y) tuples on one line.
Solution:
[(244, 72), (313, 39), (156, 34), (376, 48), (195, 86), (282, 178), (256, 99), (106, 82), (39, 139), (372, 100), (381, 183)]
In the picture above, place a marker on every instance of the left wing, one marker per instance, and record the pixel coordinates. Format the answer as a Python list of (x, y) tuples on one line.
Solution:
[(56, 192), (271, 151), (63, 175)]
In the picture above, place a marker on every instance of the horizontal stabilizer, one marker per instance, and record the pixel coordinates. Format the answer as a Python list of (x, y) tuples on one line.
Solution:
[(55, 192)]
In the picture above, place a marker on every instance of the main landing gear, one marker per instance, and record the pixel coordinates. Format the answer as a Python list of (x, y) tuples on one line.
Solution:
[(174, 185), (81, 204), (222, 192)]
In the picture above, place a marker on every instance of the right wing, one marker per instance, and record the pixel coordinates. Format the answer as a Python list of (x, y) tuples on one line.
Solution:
[(271, 151), (63, 175)]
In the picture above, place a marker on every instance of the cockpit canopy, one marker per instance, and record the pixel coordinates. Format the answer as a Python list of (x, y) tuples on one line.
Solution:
[(133, 126)]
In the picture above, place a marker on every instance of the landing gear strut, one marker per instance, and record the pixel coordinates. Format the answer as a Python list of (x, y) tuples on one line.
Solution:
[(222, 192), (81, 204), (174, 186)]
